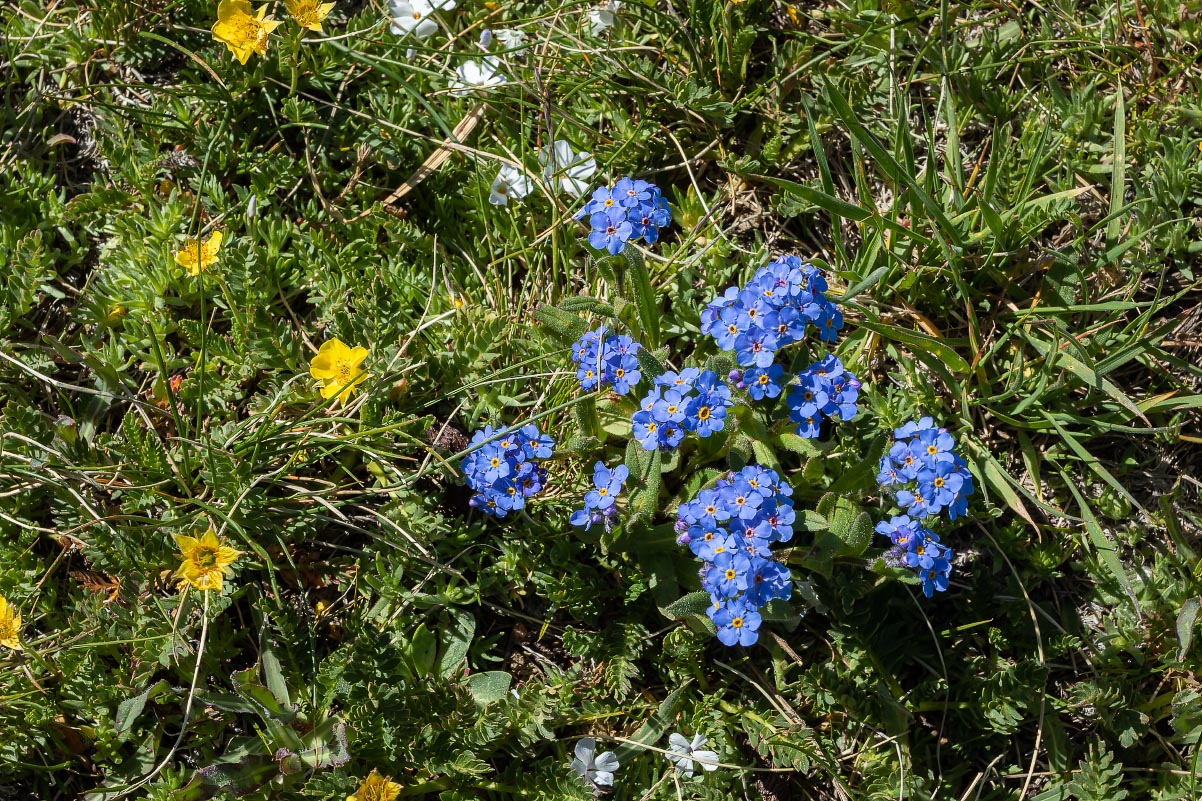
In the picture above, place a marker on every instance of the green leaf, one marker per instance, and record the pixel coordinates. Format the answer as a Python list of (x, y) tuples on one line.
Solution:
[(644, 296), (275, 677), (456, 640), (1185, 625), (559, 324), (1118, 180), (490, 687), (653, 729), (1102, 544), (922, 343), (129, 709), (423, 650), (852, 527), (695, 603)]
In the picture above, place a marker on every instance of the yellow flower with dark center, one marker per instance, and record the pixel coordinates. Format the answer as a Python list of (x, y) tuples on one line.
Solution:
[(309, 13), (338, 369), (206, 561), (196, 256), (376, 788), (242, 32), (10, 625)]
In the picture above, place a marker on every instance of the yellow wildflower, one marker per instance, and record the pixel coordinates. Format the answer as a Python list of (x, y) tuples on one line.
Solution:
[(242, 33), (376, 788), (206, 561), (10, 626), (309, 13), (196, 256), (338, 369)]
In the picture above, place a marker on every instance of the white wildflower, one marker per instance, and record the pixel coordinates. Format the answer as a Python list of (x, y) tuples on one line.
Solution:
[(603, 16), (477, 75), (595, 770), (510, 182), (687, 755), (416, 16), (572, 170)]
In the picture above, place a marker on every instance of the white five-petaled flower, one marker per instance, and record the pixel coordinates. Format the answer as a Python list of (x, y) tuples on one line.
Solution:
[(510, 39), (571, 169), (685, 755), (477, 75), (603, 16), (510, 182), (416, 16), (595, 770)]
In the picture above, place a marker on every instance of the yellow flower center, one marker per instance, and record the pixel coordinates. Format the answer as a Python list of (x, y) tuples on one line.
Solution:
[(603, 491), (931, 449), (205, 558), (938, 482), (344, 371), (737, 622), (730, 574), (703, 413)]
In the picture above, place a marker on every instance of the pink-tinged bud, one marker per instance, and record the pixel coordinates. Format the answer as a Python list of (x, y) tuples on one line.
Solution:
[(684, 538), (735, 377)]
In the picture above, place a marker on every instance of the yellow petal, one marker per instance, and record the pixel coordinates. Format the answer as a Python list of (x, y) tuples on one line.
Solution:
[(322, 365), (185, 543), (228, 9), (226, 556), (357, 355), (208, 252)]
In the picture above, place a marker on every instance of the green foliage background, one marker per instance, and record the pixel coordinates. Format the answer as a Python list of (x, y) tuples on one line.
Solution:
[(1008, 198)]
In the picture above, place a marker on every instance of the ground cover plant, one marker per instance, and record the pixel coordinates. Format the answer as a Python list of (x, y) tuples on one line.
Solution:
[(646, 400)]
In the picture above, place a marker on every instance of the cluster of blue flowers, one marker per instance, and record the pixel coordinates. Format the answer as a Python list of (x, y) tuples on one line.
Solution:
[(926, 477), (924, 471), (504, 470), (772, 311), (775, 309), (602, 360), (917, 547), (690, 400), (628, 210), (824, 390), (599, 504), (731, 528)]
